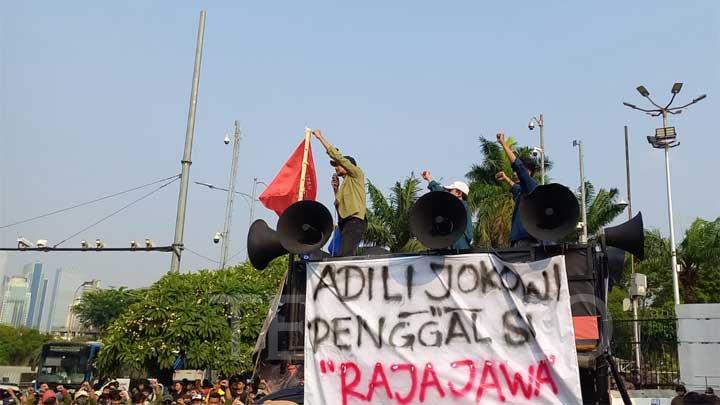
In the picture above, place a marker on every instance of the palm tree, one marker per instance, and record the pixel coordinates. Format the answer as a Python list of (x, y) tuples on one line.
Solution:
[(491, 202), (698, 258), (602, 207), (388, 218)]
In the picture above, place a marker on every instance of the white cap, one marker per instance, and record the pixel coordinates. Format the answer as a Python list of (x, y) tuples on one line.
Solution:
[(459, 185)]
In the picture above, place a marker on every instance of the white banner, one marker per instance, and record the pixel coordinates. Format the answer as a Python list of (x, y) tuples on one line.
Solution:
[(462, 329)]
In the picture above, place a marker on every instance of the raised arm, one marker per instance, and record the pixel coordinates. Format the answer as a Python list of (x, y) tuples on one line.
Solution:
[(335, 155), (508, 151), (502, 177), (322, 140), (432, 184)]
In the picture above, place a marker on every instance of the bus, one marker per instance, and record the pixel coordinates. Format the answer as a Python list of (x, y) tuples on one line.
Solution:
[(67, 363)]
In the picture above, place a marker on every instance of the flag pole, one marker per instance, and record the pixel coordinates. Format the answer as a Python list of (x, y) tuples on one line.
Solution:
[(303, 170), (289, 276)]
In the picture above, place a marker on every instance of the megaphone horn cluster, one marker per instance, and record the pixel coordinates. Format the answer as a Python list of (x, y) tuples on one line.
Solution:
[(438, 219), (550, 212), (303, 227)]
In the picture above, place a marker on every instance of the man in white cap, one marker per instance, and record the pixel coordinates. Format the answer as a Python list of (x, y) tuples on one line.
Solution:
[(460, 190)]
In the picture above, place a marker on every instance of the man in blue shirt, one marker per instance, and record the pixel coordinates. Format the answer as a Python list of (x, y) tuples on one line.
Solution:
[(460, 190), (524, 170)]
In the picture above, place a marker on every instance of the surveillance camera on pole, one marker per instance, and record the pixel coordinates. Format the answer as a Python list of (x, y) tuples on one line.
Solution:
[(23, 243), (217, 237), (148, 244), (531, 125), (41, 243), (536, 152), (227, 139), (99, 244), (133, 244), (84, 244)]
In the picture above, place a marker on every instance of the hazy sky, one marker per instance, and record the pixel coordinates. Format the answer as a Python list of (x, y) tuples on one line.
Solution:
[(94, 99)]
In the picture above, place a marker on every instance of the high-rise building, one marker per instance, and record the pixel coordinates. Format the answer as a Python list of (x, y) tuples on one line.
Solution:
[(3, 275), (16, 302), (53, 300), (41, 305), (35, 284), (72, 323)]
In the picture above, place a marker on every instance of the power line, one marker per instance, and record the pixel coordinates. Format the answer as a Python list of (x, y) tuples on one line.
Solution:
[(174, 178), (237, 254), (87, 202), (201, 255)]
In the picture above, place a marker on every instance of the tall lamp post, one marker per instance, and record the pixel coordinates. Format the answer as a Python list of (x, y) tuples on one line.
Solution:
[(583, 208), (540, 123), (665, 138)]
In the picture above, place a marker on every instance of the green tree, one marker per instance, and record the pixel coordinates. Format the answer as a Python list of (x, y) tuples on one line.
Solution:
[(186, 315), (98, 309), (698, 256), (602, 207), (388, 218), (656, 266), (20, 346), (491, 202)]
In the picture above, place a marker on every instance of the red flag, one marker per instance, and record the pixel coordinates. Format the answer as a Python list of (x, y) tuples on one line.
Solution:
[(284, 189)]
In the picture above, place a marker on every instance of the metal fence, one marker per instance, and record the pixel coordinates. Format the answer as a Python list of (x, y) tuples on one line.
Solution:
[(658, 345)]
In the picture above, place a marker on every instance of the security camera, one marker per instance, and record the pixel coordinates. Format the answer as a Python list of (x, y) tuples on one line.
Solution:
[(148, 244), (83, 244), (531, 125), (99, 244), (226, 140), (41, 243), (133, 244), (23, 243), (536, 152), (217, 237)]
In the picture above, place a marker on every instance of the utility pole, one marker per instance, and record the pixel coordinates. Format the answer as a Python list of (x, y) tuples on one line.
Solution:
[(636, 324), (583, 207), (230, 197), (252, 201), (187, 153)]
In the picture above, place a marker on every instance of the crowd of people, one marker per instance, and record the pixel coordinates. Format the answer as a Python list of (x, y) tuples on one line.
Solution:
[(225, 391), (684, 397)]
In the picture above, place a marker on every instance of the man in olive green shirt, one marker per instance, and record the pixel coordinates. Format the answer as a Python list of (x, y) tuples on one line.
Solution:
[(349, 198)]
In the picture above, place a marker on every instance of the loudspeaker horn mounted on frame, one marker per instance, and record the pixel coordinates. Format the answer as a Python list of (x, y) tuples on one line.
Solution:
[(628, 236), (438, 219), (550, 212), (303, 227)]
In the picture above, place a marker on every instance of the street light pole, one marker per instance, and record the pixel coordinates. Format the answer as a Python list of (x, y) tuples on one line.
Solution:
[(542, 146), (673, 249), (187, 154), (636, 324), (665, 138), (541, 123), (230, 198), (583, 207)]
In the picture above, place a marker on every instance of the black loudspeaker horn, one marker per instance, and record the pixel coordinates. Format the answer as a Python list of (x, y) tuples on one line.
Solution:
[(628, 236), (305, 227), (263, 245), (438, 219), (550, 212)]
